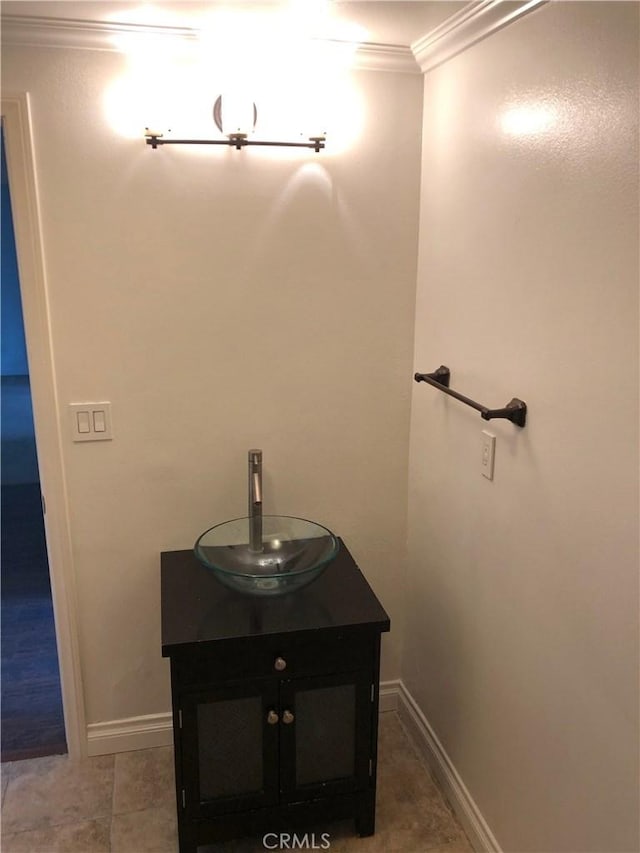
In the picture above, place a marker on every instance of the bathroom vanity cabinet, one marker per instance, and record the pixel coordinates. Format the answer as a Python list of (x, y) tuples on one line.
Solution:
[(275, 702)]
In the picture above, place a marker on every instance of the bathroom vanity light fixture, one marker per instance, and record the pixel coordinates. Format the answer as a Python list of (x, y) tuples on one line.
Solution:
[(238, 138)]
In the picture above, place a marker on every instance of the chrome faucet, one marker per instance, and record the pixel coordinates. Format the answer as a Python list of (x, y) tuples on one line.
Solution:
[(255, 500)]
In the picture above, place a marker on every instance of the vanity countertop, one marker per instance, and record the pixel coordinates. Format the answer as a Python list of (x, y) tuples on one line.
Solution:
[(197, 608)]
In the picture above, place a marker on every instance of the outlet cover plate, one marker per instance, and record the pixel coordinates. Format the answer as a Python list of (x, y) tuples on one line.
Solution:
[(488, 454)]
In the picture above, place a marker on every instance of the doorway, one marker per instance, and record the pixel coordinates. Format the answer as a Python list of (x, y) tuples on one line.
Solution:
[(31, 711)]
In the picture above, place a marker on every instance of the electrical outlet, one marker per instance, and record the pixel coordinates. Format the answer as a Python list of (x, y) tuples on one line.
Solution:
[(488, 454)]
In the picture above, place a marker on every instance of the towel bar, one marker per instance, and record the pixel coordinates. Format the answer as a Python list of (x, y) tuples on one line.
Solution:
[(515, 411)]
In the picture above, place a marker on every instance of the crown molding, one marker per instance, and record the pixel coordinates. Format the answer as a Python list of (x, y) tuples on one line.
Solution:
[(35, 31), (470, 25), (102, 35), (386, 57)]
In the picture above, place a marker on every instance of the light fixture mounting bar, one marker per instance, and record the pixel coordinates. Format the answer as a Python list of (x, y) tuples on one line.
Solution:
[(236, 141)]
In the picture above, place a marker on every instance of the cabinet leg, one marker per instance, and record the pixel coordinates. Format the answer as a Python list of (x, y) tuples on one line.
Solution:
[(186, 838), (366, 814)]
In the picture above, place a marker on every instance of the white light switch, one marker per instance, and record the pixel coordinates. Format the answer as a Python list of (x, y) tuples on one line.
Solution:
[(90, 421), (84, 425), (98, 420), (488, 454)]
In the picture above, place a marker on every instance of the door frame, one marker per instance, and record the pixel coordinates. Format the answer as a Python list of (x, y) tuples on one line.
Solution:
[(21, 173)]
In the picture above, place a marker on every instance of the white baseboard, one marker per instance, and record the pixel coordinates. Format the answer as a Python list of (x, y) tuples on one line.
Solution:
[(454, 789), (130, 733), (389, 695), (155, 730)]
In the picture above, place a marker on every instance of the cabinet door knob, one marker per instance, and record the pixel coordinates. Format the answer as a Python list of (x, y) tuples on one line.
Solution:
[(272, 718), (287, 717), (280, 664)]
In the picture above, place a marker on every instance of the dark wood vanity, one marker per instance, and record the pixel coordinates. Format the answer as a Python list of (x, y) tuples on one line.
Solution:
[(275, 702)]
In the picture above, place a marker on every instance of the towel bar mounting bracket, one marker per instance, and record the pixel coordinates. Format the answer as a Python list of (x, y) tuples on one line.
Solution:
[(442, 376)]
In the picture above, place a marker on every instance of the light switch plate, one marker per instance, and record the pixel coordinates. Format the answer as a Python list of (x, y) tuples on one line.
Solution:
[(488, 454), (90, 421)]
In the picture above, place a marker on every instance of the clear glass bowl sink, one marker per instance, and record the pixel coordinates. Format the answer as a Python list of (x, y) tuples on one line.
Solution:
[(294, 552)]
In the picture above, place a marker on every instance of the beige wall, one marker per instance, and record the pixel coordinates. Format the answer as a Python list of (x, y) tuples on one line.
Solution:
[(221, 300), (522, 603)]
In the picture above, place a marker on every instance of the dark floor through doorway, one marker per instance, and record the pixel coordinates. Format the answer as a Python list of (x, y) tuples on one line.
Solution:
[(32, 722)]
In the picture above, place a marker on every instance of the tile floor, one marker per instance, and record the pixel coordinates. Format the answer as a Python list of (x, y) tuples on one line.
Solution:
[(125, 803)]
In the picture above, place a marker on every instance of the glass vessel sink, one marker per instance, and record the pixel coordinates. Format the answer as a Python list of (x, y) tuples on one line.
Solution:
[(294, 552)]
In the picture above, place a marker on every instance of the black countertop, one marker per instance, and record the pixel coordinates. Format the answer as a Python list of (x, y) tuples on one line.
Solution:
[(197, 608)]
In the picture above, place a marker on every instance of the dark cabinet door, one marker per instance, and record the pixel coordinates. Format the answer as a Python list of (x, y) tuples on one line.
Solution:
[(230, 741), (325, 735)]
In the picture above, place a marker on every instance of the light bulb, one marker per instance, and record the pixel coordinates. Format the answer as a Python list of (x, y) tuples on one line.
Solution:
[(236, 113)]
